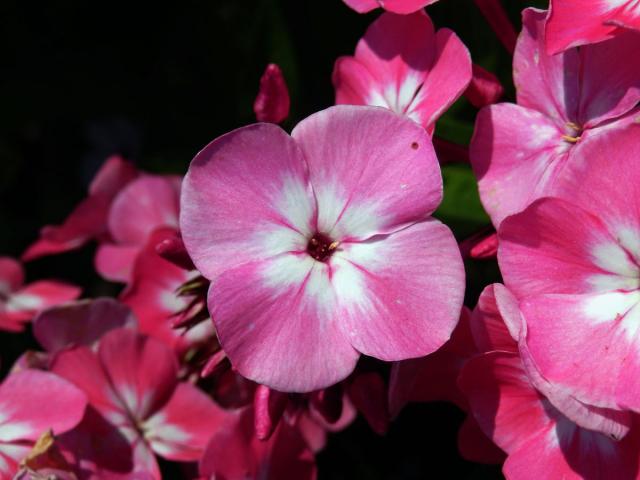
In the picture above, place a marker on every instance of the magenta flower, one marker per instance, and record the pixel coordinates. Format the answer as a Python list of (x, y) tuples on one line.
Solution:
[(520, 152), (19, 303), (578, 22), (396, 6), (403, 64), (544, 430), (320, 246), (138, 406), (144, 205), (22, 416), (573, 264)]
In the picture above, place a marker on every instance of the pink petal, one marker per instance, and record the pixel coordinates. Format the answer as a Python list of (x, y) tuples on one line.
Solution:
[(11, 454), (115, 262), (505, 405), (281, 335), (577, 22), (401, 293), (404, 6), (182, 428), (447, 79), (114, 174), (22, 396), (80, 323), (539, 253), (142, 370), (244, 188), (475, 446), (268, 407), (362, 6), (517, 155), (272, 102), (11, 275), (369, 395), (372, 171), (147, 203)]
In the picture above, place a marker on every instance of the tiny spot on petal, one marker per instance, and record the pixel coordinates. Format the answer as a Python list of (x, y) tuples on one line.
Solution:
[(415, 145)]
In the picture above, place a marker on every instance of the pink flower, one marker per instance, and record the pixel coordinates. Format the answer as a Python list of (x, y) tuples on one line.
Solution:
[(577, 22), (520, 152), (403, 64), (544, 430), (272, 102), (22, 416), (89, 219), (395, 6), (19, 303), (319, 245), (153, 296), (234, 452), (572, 262), (144, 205), (138, 407)]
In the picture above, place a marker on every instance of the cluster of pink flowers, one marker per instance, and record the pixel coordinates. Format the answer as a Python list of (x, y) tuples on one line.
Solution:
[(253, 286)]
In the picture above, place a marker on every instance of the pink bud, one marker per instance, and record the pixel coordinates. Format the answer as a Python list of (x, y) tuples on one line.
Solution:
[(272, 103), (484, 89), (268, 408)]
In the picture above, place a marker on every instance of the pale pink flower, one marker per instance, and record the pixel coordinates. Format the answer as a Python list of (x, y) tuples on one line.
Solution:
[(403, 64), (19, 303), (572, 23), (520, 152), (320, 245)]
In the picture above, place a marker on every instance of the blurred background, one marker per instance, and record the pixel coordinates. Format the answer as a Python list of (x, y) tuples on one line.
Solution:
[(80, 81)]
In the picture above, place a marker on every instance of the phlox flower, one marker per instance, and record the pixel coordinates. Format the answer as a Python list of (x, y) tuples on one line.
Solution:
[(22, 416), (138, 408), (545, 431), (403, 64), (520, 151), (573, 263), (19, 303), (572, 23), (320, 245)]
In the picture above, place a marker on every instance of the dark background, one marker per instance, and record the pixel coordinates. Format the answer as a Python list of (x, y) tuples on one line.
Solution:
[(82, 80)]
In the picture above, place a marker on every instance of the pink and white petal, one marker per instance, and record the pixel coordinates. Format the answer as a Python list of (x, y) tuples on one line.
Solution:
[(584, 341), (278, 322), (246, 197), (372, 171), (575, 22), (115, 262), (517, 154), (182, 428), (82, 367), (503, 402), (609, 88), (113, 175), (398, 51), (362, 6), (447, 79), (79, 323), (87, 220), (11, 275), (42, 294), (22, 396), (400, 295), (149, 202), (11, 454), (142, 370), (546, 83), (557, 247), (570, 452), (355, 85), (488, 326)]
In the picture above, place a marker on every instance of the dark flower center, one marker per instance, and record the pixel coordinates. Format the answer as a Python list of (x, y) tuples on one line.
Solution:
[(321, 247)]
